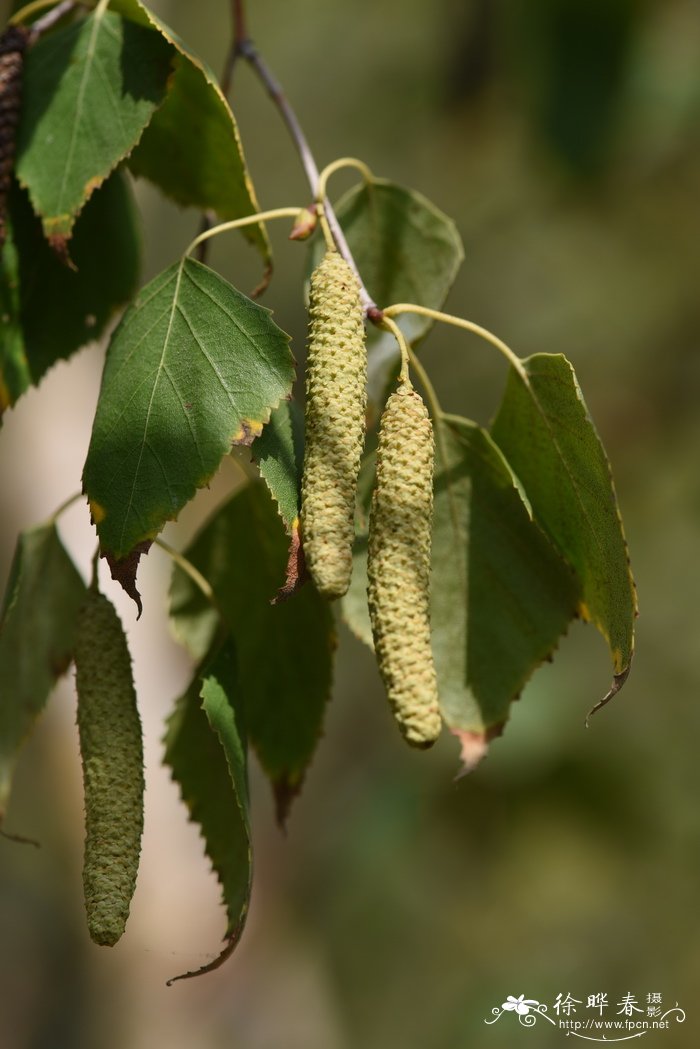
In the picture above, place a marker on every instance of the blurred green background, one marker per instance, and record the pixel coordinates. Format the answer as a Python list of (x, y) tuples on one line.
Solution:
[(563, 136)]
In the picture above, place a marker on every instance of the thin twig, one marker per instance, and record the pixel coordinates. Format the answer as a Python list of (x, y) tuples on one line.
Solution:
[(47, 21), (247, 50)]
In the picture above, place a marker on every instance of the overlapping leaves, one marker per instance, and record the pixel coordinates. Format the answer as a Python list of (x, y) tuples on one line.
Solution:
[(193, 367)]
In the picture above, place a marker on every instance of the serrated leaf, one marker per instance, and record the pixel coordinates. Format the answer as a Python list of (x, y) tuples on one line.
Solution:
[(90, 88), (279, 451), (406, 250), (284, 651), (193, 368), (544, 430), (500, 595), (54, 310), (37, 632), (206, 752), (192, 149)]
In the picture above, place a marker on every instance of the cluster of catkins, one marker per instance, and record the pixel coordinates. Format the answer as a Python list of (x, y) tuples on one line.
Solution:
[(401, 511)]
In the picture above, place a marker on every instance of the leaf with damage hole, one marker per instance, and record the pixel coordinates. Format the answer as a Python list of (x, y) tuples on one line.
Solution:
[(284, 651), (500, 594), (544, 430), (90, 89), (37, 632), (192, 149), (52, 310), (193, 368), (205, 748)]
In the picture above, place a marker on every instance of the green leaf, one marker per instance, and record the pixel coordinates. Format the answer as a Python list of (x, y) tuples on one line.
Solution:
[(544, 430), (37, 629), (279, 452), (192, 149), (284, 651), (206, 751), (406, 251), (55, 310), (193, 367), (90, 89), (500, 595)]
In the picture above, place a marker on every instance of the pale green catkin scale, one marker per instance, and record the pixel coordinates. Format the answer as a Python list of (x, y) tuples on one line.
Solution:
[(112, 755), (398, 565), (336, 402)]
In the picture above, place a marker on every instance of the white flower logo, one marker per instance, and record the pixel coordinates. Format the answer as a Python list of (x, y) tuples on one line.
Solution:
[(520, 1005)]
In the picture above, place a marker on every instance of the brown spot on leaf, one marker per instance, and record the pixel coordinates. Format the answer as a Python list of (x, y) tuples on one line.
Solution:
[(58, 243), (474, 746), (296, 572), (247, 432), (124, 571)]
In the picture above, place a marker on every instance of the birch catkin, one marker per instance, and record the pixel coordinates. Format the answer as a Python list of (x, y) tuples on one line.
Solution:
[(112, 755), (398, 565), (13, 43), (336, 401)]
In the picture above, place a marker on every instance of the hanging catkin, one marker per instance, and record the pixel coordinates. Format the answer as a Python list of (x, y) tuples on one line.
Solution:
[(12, 46), (398, 565), (112, 756), (336, 401)]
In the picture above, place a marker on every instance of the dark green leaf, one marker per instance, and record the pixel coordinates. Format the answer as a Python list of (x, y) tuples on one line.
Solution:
[(406, 251), (284, 651), (193, 367), (90, 89), (37, 628), (500, 595), (192, 149), (56, 310), (205, 749), (278, 452), (544, 430)]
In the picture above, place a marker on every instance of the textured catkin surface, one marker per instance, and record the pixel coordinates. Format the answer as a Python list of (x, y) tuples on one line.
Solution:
[(12, 46), (112, 755), (398, 565), (336, 401)]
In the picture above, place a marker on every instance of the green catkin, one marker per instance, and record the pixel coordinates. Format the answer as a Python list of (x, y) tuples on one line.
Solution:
[(112, 754), (336, 402), (398, 565)]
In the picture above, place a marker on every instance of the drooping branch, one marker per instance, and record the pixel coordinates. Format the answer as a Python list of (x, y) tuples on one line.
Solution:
[(243, 47)]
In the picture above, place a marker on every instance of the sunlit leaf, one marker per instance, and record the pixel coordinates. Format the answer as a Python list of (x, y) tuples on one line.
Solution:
[(193, 368), (90, 89)]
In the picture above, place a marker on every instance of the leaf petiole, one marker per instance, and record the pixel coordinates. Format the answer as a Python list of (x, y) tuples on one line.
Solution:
[(189, 569), (459, 322), (247, 220)]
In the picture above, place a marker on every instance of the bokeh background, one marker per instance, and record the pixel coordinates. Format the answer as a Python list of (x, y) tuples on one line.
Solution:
[(563, 136)]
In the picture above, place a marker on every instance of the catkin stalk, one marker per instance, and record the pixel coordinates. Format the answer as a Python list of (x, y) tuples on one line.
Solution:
[(112, 755), (398, 565), (336, 401)]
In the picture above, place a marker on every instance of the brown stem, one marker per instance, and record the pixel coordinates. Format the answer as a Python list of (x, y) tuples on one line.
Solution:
[(49, 20), (246, 49)]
